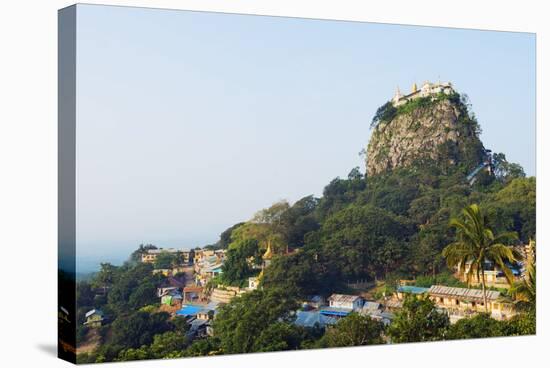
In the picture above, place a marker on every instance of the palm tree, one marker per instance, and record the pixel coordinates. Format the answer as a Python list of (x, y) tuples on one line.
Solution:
[(475, 244), (524, 291)]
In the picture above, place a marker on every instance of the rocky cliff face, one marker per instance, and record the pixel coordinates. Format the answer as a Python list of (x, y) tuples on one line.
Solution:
[(440, 131)]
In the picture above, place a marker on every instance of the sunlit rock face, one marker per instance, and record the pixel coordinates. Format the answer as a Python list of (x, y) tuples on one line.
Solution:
[(439, 131)]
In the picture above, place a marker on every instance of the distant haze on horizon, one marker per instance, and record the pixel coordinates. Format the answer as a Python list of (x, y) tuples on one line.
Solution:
[(189, 122)]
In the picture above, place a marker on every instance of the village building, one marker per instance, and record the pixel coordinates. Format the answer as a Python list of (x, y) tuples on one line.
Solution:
[(376, 311), (171, 298), (220, 253), (198, 328), (173, 271), (462, 302), (188, 256), (208, 264), (492, 275), (402, 291), (393, 304), (208, 312), (205, 273), (188, 310), (353, 302), (193, 293), (94, 318), (340, 305), (199, 318), (316, 301), (385, 317), (200, 255), (370, 307), (150, 256)]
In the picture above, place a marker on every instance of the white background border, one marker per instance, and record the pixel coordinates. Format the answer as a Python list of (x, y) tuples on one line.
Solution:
[(28, 181)]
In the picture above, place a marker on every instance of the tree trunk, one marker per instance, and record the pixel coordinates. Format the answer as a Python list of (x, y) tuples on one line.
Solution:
[(483, 288)]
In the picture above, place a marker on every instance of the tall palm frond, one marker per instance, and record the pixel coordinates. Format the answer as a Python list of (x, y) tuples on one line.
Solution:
[(475, 244), (525, 291)]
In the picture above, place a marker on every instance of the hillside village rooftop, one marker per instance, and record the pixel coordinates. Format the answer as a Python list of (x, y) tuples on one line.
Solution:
[(462, 293)]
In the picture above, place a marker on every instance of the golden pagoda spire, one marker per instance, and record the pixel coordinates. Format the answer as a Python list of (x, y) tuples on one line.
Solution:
[(414, 87), (268, 253)]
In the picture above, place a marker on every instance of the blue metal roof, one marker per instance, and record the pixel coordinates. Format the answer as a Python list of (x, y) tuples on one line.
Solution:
[(339, 312), (189, 310), (412, 289), (311, 318)]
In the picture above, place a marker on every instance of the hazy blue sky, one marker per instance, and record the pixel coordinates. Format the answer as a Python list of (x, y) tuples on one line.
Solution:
[(189, 122)]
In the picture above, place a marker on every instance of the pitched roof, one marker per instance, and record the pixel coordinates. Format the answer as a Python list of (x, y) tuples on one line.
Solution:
[(394, 303), (462, 293), (343, 298), (371, 306)]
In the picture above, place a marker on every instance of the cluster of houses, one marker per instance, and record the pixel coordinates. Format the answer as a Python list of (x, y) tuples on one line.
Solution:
[(493, 275), (322, 313), (150, 256), (191, 302), (207, 265), (186, 256), (199, 318), (456, 302), (460, 302)]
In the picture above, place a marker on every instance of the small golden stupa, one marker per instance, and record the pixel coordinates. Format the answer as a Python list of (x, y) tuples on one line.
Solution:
[(268, 253)]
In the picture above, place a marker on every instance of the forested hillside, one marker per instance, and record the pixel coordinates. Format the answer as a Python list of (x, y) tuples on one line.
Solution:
[(389, 224)]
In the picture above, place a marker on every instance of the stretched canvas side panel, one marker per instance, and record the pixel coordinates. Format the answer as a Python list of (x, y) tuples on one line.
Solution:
[(66, 184)]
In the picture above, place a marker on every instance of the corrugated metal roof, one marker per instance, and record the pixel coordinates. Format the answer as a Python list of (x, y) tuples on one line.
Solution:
[(342, 298), (371, 306), (394, 303), (340, 312), (309, 319), (188, 310), (412, 289), (462, 293)]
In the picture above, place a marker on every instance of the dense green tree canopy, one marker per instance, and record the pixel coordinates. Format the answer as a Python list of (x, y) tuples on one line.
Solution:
[(481, 325), (240, 323), (353, 330), (240, 258), (389, 226), (417, 321)]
